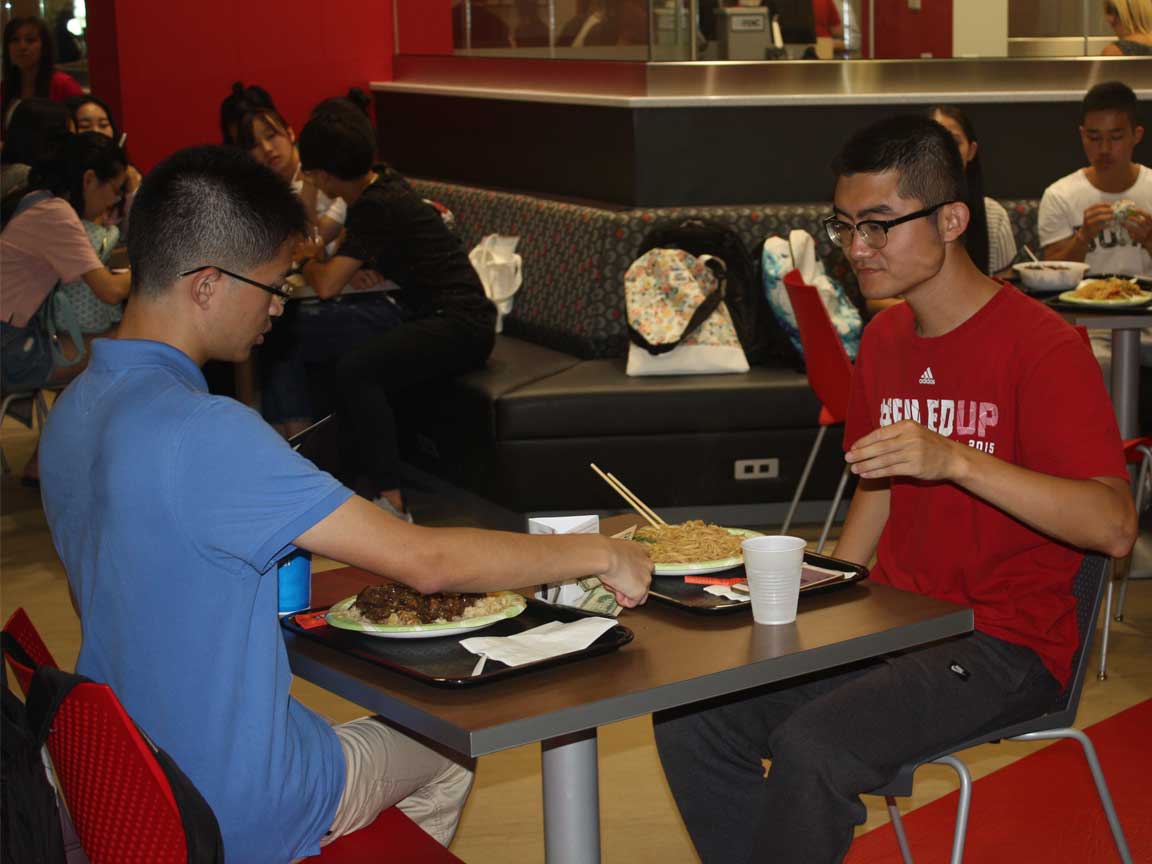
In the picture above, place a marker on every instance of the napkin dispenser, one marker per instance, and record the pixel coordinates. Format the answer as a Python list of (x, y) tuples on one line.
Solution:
[(588, 593)]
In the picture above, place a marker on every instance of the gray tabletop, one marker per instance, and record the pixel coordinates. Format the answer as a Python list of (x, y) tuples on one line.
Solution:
[(676, 658)]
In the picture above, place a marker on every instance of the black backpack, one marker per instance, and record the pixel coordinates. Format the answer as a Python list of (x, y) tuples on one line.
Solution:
[(201, 830), (30, 830), (760, 335)]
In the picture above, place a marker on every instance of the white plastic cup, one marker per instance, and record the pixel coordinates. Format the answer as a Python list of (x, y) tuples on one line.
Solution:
[(773, 564)]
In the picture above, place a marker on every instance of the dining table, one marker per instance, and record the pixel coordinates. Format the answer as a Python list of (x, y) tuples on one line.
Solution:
[(1125, 324), (676, 658)]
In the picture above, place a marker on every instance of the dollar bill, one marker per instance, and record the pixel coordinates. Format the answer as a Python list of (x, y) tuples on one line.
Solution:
[(598, 599)]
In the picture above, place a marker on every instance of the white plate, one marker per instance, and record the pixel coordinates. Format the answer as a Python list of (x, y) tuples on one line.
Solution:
[(1070, 297), (703, 568), (337, 616)]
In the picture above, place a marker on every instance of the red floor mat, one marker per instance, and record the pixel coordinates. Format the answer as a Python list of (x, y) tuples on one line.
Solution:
[(1041, 809)]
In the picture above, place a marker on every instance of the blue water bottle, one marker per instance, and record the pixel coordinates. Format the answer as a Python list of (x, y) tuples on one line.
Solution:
[(294, 580)]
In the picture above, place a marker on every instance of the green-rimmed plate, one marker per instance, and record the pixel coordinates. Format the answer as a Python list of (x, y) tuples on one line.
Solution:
[(338, 616), (1142, 299), (702, 568)]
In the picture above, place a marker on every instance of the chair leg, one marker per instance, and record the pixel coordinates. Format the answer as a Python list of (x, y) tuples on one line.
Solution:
[(1143, 477), (898, 827), (1103, 673), (1097, 778), (803, 479), (962, 806), (832, 510)]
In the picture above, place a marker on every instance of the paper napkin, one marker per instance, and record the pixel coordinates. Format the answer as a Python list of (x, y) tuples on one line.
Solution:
[(540, 643), (726, 592)]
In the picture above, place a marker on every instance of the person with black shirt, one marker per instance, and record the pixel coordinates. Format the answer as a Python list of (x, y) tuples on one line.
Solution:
[(450, 324)]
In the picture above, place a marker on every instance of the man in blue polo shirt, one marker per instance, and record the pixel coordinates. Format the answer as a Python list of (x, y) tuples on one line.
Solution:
[(170, 507)]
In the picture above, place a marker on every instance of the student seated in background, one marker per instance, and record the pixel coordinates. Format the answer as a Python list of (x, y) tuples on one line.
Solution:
[(448, 325), (251, 121), (46, 242), (988, 456), (30, 67), (185, 630), (1131, 21), (1080, 217), (91, 114), (313, 334), (1102, 214)]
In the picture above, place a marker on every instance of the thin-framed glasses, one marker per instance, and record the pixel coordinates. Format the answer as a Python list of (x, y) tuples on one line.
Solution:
[(283, 291), (874, 232)]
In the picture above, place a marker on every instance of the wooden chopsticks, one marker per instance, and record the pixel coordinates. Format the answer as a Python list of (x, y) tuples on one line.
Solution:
[(628, 495)]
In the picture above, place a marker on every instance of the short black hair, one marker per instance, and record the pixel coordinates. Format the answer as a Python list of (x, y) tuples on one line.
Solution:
[(339, 139), (209, 205), (1110, 96), (918, 148)]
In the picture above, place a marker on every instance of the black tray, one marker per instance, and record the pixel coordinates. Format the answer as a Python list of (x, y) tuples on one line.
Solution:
[(692, 597), (442, 661)]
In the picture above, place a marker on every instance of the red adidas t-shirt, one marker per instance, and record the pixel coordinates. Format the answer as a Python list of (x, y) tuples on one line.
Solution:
[(1020, 384)]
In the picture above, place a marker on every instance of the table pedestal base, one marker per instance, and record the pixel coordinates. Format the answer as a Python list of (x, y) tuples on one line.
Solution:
[(571, 799)]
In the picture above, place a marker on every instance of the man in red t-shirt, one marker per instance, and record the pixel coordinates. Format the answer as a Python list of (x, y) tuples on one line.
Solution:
[(988, 455)]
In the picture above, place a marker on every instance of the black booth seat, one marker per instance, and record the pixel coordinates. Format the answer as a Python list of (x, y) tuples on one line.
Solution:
[(522, 432)]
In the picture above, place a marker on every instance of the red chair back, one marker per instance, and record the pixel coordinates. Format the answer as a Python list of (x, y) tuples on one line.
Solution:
[(21, 628), (118, 795), (829, 369)]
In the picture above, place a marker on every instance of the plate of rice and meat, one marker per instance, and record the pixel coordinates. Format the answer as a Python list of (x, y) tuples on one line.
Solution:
[(400, 612), (693, 548), (1108, 292)]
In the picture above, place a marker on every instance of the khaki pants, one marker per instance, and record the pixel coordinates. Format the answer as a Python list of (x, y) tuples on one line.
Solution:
[(384, 768)]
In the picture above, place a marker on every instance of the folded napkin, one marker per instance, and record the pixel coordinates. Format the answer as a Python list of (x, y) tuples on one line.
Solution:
[(726, 592), (540, 643)]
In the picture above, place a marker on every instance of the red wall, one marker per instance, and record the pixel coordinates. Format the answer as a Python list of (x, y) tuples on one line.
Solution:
[(425, 26), (907, 34), (165, 67)]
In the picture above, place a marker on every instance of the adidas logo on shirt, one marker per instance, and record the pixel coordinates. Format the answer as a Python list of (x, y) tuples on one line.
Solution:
[(927, 378)]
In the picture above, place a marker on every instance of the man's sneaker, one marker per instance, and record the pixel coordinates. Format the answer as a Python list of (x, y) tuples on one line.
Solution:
[(388, 507)]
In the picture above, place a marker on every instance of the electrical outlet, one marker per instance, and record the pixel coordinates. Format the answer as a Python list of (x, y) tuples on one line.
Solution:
[(756, 469)]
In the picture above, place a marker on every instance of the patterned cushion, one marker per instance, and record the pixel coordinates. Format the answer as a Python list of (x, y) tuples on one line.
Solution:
[(575, 256), (1022, 213)]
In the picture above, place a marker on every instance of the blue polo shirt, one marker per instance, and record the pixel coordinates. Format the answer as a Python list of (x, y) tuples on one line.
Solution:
[(170, 508)]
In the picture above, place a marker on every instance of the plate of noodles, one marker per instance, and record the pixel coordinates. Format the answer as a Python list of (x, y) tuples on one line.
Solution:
[(1107, 293), (401, 613), (693, 548)]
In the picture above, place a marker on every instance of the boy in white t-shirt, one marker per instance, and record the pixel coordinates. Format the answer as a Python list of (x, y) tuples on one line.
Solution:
[(1102, 214)]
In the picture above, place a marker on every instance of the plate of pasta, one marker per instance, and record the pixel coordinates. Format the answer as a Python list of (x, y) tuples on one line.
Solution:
[(693, 548), (1108, 292)]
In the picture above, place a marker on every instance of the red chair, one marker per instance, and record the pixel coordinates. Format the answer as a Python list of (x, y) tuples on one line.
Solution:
[(124, 809), (1137, 451), (829, 376), (23, 631)]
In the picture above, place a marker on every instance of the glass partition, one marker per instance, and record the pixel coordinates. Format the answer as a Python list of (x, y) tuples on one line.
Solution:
[(679, 30)]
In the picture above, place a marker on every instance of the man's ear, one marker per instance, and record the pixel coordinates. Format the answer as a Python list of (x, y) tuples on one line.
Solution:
[(1137, 134), (953, 220), (202, 286)]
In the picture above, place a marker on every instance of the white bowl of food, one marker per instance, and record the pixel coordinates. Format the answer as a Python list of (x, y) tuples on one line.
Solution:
[(1051, 276)]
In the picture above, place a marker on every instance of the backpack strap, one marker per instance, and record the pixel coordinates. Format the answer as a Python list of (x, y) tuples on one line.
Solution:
[(50, 687)]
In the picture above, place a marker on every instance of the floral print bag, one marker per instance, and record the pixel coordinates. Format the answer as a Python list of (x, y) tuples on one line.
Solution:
[(678, 322)]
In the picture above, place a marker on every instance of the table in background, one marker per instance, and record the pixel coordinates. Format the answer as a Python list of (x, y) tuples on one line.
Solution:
[(1125, 326), (676, 658)]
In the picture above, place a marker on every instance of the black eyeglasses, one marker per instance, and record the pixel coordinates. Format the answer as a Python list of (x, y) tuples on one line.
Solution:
[(874, 232), (283, 291)]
